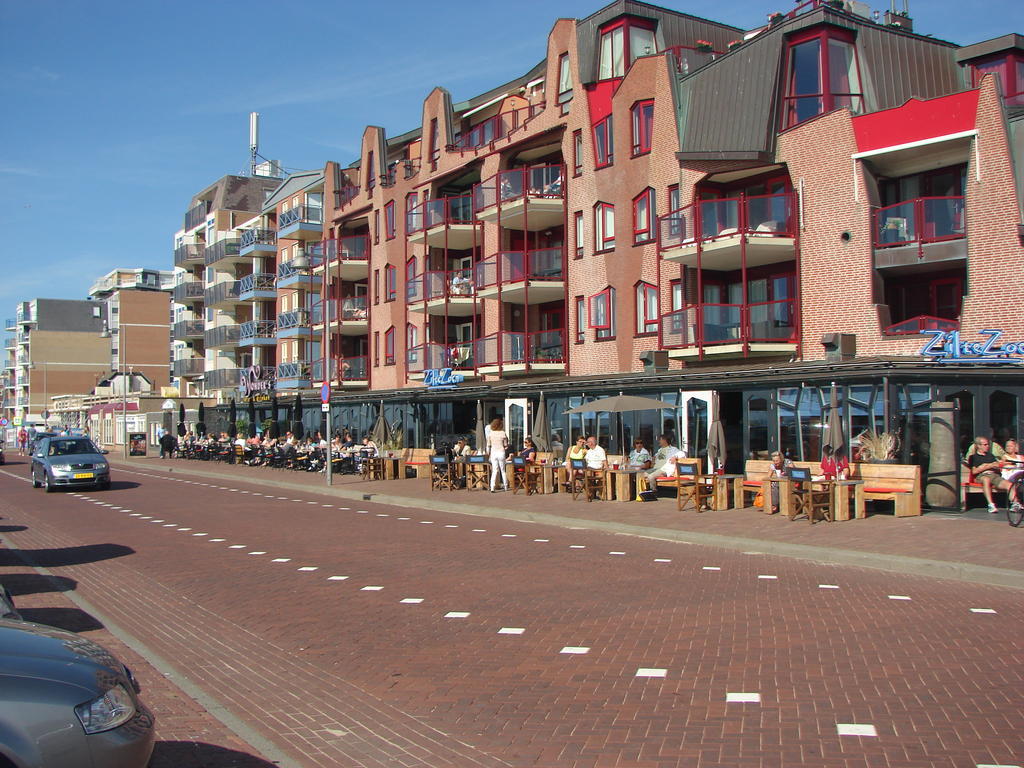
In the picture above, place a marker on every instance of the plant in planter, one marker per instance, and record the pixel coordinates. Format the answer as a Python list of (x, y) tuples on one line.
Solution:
[(837, 4), (703, 46), (878, 447), (775, 18), (735, 44)]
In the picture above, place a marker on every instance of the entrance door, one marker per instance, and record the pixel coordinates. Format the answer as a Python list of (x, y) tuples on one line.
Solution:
[(695, 414), (516, 422)]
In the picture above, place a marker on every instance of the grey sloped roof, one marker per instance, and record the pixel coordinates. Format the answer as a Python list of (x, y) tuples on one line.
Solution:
[(730, 107), (295, 182), (537, 71), (237, 193)]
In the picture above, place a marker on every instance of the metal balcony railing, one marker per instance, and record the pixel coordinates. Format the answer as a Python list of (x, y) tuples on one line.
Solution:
[(196, 216), (495, 128), (256, 329), (706, 220), (443, 210), (517, 266), (188, 329), (189, 290), (189, 254), (311, 214), (296, 318), (257, 281), (698, 325), (538, 181), (919, 324), (254, 237), (188, 366), (295, 369), (222, 378), (919, 221), (221, 292), (221, 336), (222, 249), (351, 248)]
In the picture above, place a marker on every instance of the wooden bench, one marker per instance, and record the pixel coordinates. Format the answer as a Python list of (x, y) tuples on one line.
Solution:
[(898, 483), (756, 480)]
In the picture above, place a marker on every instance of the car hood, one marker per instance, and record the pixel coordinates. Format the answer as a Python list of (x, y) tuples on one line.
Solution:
[(76, 458), (37, 651)]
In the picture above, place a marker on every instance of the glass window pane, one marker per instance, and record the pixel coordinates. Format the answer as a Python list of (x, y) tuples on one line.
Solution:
[(641, 43), (757, 427), (805, 69), (605, 69), (618, 65), (564, 76)]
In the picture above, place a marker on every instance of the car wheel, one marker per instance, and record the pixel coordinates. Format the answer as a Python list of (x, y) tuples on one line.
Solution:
[(35, 481), (104, 486), (48, 483)]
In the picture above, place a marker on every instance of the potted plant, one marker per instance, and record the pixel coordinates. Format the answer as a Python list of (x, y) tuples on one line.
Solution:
[(878, 447), (735, 44), (775, 18), (703, 46)]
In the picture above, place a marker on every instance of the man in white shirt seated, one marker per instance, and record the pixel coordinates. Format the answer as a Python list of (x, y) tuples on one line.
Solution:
[(595, 457), (664, 462)]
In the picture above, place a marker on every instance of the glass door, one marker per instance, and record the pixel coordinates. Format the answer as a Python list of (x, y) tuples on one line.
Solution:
[(695, 414), (516, 422)]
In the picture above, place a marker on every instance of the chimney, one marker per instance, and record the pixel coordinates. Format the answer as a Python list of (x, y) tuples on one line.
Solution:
[(839, 346), (654, 360)]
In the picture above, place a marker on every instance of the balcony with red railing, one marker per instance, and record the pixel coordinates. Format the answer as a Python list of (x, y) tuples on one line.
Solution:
[(730, 330), (442, 292), (531, 198), (916, 325), (432, 356), (923, 230), (513, 353), (446, 222), (725, 233), (522, 277), (349, 315), (347, 258), (496, 128)]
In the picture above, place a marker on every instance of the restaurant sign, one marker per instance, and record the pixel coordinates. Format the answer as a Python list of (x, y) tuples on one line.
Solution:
[(948, 347), (257, 383), (441, 378)]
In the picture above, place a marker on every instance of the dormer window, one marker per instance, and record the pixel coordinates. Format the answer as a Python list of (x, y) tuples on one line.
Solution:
[(1009, 71), (621, 44), (822, 75)]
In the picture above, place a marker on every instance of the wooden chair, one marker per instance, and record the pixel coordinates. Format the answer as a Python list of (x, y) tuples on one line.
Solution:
[(373, 468), (691, 487), (477, 468), (442, 474), (810, 497), (575, 478), (525, 476), (594, 482)]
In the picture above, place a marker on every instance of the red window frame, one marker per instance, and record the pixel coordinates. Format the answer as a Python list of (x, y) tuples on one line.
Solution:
[(627, 55), (411, 331), (376, 226), (603, 213), (581, 325), (643, 232), (578, 233), (827, 97), (605, 330), (389, 346), (577, 153), (389, 220), (606, 129), (642, 294), (673, 198), (371, 177), (643, 125), (390, 283), (1009, 71)]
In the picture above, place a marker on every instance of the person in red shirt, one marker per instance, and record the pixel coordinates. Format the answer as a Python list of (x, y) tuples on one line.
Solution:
[(834, 466)]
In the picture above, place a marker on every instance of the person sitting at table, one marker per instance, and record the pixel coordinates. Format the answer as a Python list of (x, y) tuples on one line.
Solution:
[(834, 466), (369, 448), (780, 467), (461, 449), (595, 456), (639, 457), (529, 451), (665, 462), (578, 452)]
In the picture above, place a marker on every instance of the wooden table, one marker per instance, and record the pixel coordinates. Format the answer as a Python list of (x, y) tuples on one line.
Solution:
[(394, 467), (841, 500), (728, 491), (623, 482)]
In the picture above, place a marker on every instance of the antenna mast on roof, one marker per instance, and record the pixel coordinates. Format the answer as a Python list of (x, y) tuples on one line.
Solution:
[(254, 141)]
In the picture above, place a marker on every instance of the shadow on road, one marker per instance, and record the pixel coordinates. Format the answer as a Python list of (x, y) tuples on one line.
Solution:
[(71, 619), (52, 558), (194, 754), (36, 583), (12, 528)]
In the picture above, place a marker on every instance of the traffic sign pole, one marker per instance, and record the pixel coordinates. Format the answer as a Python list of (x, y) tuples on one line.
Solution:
[(325, 406)]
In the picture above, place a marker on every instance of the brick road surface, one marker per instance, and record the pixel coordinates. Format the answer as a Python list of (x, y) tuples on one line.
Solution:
[(335, 674)]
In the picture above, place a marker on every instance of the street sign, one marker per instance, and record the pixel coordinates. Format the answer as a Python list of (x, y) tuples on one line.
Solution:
[(325, 407), (46, 414), (3, 421), (325, 393)]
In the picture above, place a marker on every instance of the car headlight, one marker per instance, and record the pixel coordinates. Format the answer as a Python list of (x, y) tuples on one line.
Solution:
[(61, 467), (101, 466), (113, 708)]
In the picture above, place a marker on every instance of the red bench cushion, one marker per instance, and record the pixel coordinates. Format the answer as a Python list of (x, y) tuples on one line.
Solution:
[(885, 490)]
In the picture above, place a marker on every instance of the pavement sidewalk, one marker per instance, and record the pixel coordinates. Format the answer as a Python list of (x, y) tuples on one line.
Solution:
[(972, 547)]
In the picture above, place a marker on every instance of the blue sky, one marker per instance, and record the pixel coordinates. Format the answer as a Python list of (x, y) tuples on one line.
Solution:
[(116, 113)]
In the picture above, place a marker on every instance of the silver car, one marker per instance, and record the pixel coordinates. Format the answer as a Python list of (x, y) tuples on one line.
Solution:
[(59, 461), (66, 701)]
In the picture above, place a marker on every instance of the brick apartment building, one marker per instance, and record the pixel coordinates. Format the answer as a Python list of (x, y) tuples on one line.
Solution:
[(721, 218)]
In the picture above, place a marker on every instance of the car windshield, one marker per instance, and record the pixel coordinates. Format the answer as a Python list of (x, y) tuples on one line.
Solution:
[(70, 447)]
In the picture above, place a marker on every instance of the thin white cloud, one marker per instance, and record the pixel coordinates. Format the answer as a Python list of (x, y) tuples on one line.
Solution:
[(14, 170)]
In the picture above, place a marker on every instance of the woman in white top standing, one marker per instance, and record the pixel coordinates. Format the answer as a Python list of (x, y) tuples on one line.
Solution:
[(497, 445)]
